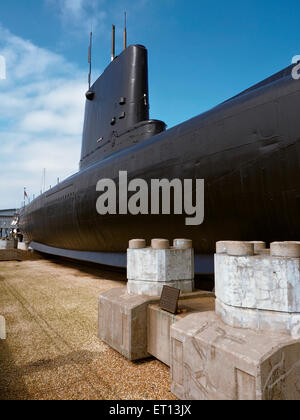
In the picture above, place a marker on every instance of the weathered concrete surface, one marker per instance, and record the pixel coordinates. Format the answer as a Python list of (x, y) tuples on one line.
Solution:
[(258, 282), (285, 249), (281, 322), (223, 246), (160, 321), (23, 246), (211, 361), (183, 243), (160, 244), (125, 323), (137, 244), (122, 322), (240, 249), (154, 289), (2, 328), (8, 244), (151, 269), (52, 350)]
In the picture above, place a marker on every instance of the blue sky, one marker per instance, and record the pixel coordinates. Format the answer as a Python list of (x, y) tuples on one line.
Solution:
[(200, 53)]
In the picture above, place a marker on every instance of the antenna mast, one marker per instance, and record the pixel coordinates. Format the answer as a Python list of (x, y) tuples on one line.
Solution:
[(113, 43), (125, 31), (90, 59), (44, 180)]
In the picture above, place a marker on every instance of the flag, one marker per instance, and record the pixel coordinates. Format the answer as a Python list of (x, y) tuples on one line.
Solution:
[(25, 194)]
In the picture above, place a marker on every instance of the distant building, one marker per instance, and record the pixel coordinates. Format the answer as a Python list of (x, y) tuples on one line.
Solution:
[(6, 219)]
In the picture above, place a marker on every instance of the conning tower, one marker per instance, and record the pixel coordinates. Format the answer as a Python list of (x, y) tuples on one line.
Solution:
[(117, 107)]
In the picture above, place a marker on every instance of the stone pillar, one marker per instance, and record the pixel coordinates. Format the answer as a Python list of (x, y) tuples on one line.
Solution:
[(149, 269)]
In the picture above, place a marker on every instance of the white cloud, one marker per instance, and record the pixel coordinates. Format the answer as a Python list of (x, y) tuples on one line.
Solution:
[(79, 14), (41, 117)]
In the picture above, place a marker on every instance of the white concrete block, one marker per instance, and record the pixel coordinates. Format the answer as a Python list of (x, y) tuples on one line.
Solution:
[(23, 246), (148, 270), (2, 328), (256, 319), (258, 282), (10, 244), (150, 288)]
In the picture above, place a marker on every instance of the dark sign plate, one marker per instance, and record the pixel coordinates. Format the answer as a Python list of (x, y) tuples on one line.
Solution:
[(169, 299)]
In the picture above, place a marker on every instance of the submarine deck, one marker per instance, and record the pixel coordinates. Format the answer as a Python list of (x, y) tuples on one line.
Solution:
[(52, 350)]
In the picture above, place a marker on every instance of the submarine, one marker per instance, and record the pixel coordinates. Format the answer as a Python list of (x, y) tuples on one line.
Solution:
[(246, 149)]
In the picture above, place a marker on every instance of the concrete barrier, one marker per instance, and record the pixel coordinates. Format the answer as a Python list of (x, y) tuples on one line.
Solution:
[(149, 269)]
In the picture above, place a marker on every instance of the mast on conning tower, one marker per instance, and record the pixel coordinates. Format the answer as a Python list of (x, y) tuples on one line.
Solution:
[(90, 94), (113, 43), (125, 31), (90, 59)]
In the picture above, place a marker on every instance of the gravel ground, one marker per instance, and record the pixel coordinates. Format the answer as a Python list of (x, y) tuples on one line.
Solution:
[(52, 350)]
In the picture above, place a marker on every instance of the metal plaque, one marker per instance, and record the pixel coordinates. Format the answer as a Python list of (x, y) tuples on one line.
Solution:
[(169, 299)]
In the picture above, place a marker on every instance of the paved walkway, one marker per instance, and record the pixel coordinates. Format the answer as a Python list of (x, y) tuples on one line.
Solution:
[(52, 350)]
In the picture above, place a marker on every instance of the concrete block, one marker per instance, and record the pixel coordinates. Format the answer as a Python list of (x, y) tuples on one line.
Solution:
[(258, 282), (148, 270), (183, 243), (2, 328), (213, 361), (149, 288), (285, 249), (281, 322), (160, 244), (122, 322), (8, 244), (259, 246), (240, 248), (23, 246), (160, 321), (221, 247), (137, 244)]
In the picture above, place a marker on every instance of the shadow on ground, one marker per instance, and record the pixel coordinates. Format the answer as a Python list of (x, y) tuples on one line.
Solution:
[(12, 386), (94, 270)]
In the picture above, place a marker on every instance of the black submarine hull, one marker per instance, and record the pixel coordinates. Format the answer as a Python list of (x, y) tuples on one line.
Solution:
[(248, 152)]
